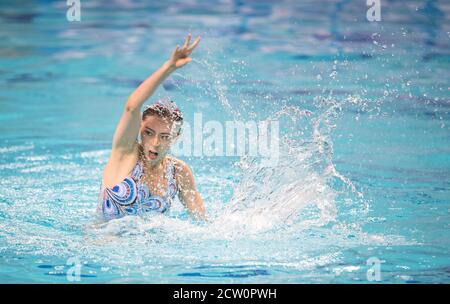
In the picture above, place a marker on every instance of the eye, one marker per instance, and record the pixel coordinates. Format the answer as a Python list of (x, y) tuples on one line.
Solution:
[(149, 132), (165, 137)]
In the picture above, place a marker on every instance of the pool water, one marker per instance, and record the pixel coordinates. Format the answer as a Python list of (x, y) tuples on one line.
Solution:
[(363, 173)]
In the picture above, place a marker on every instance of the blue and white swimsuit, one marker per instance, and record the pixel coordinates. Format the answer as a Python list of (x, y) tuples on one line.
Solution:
[(132, 196)]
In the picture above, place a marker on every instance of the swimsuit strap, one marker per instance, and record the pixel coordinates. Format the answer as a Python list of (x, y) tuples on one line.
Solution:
[(169, 171), (171, 179)]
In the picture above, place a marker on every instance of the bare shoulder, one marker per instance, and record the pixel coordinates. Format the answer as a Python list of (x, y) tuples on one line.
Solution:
[(182, 169)]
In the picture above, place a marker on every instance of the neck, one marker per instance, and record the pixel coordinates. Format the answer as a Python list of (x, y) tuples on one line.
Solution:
[(153, 166)]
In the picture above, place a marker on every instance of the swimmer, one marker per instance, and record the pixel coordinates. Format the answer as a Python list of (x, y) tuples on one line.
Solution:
[(140, 175)]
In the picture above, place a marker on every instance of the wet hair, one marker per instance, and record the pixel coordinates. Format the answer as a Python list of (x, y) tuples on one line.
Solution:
[(164, 108)]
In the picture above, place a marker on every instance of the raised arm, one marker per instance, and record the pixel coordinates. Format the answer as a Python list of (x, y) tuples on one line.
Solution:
[(128, 127)]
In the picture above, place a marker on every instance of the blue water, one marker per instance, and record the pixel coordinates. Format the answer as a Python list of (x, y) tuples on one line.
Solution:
[(364, 168)]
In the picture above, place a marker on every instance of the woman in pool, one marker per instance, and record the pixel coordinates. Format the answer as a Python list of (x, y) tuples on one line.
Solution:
[(140, 176)]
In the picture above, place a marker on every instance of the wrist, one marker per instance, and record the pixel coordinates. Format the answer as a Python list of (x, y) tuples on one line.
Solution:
[(169, 66)]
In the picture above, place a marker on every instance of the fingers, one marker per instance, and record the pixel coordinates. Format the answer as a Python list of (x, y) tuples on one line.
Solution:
[(176, 50), (185, 51), (183, 61), (194, 44), (186, 43)]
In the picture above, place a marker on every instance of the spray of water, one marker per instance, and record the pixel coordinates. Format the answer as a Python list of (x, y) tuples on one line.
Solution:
[(301, 191)]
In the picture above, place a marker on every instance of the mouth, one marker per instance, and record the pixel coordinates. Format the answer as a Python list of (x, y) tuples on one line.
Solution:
[(152, 154)]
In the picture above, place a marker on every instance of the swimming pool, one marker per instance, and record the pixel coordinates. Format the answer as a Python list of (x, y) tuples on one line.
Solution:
[(360, 191)]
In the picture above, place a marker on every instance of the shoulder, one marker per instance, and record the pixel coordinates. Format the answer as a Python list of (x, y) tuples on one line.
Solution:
[(183, 172)]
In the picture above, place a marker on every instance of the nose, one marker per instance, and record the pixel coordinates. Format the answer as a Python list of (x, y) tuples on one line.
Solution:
[(155, 141)]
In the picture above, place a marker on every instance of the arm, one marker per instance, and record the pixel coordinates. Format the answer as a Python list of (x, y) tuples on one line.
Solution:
[(188, 193), (128, 128)]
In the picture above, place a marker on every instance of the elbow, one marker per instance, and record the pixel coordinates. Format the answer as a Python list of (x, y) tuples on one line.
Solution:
[(129, 107)]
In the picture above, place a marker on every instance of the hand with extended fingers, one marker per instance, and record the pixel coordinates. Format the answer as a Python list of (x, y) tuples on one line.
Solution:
[(180, 56)]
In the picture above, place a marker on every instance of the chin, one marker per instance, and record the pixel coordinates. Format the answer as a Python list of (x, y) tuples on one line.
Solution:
[(154, 161), (148, 159)]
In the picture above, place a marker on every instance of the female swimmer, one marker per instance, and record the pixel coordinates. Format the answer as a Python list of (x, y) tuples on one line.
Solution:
[(140, 175)]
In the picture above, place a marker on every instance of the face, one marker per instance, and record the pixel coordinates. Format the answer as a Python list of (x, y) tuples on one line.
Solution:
[(157, 135)]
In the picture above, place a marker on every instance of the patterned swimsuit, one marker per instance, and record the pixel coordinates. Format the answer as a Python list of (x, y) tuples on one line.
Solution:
[(132, 196)]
